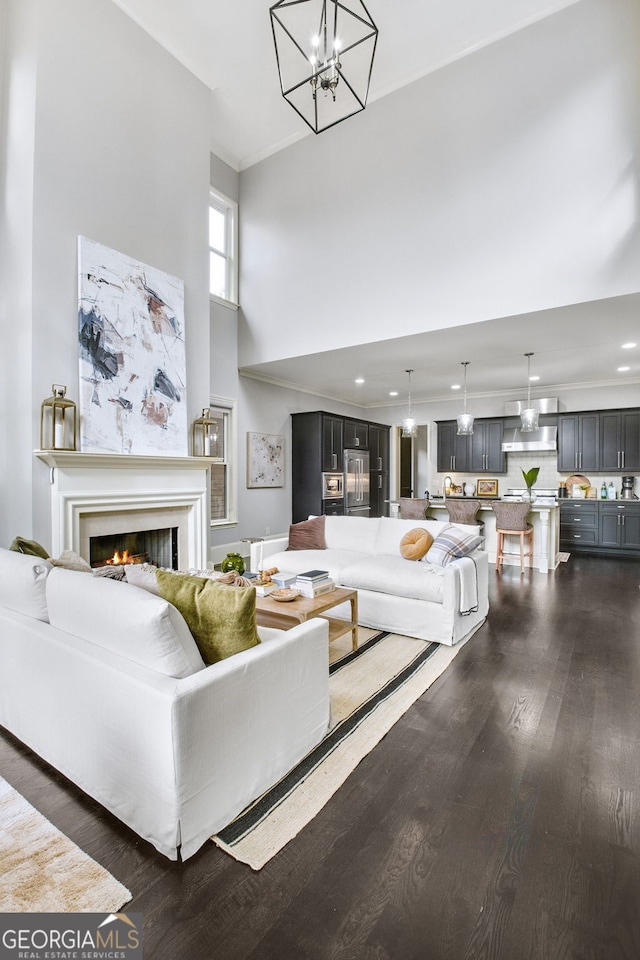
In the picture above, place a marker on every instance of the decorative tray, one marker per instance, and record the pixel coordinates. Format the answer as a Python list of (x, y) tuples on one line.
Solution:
[(285, 593)]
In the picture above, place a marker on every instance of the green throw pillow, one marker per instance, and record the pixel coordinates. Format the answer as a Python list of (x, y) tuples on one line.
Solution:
[(32, 547), (221, 618)]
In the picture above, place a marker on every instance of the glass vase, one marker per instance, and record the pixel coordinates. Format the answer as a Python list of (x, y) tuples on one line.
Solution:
[(233, 561)]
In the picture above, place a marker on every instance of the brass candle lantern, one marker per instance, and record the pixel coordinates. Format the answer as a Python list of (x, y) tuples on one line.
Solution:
[(205, 435), (58, 421)]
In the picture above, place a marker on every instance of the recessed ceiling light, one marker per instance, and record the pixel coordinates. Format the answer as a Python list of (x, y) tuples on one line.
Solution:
[(360, 380), (455, 386), (628, 346), (393, 393), (623, 369), (533, 378)]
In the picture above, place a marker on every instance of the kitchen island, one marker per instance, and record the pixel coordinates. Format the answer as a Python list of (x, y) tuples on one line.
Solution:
[(545, 518)]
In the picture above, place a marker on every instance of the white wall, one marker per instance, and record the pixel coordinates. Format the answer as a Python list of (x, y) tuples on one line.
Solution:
[(502, 184), (18, 23), (120, 154)]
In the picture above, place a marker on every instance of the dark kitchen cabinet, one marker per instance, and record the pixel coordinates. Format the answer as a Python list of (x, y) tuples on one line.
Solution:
[(620, 441), (486, 447), (379, 469), (620, 526), (479, 453), (332, 443), (454, 452), (318, 441), (610, 527), (578, 442), (315, 439), (578, 524), (378, 448), (356, 434)]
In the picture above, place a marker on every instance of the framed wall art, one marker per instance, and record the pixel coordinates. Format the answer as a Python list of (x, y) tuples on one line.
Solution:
[(265, 460), (487, 488), (131, 345)]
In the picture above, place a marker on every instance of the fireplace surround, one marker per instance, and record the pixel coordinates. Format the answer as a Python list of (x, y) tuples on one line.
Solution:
[(107, 494)]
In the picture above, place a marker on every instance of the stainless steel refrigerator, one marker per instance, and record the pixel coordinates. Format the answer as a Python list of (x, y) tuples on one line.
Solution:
[(356, 483)]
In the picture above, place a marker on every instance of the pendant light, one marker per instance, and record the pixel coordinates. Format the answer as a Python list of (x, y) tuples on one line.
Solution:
[(465, 420), (409, 426), (529, 417), (324, 52)]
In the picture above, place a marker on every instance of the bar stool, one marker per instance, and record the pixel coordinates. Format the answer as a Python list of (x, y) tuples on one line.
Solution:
[(511, 521), (413, 508), (462, 511)]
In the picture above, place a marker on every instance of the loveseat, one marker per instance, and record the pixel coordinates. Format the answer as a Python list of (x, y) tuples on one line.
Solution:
[(105, 682), (442, 603)]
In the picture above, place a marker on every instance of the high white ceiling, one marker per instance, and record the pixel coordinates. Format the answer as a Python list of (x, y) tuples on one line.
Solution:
[(229, 47)]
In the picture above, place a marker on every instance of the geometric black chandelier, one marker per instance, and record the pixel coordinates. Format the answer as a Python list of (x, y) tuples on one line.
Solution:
[(324, 51)]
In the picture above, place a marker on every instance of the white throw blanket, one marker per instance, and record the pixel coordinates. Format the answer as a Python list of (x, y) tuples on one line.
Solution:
[(468, 585)]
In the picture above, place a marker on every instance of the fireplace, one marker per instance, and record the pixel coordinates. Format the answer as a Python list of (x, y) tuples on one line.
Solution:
[(109, 495), (159, 547)]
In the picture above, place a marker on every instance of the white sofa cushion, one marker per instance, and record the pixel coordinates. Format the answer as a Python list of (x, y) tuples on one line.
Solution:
[(390, 532), (127, 620), (351, 533), (297, 561), (395, 576), (23, 580)]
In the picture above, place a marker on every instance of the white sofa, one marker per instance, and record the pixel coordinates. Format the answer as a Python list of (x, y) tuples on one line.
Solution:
[(413, 598), (105, 682)]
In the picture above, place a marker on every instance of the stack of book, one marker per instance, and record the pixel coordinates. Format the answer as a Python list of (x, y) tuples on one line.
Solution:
[(313, 583)]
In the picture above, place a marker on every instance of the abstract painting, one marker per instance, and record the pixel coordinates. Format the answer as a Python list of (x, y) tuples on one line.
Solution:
[(132, 355), (265, 460)]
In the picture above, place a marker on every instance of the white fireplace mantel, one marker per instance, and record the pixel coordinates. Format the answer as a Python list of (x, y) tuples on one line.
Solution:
[(75, 460), (86, 486)]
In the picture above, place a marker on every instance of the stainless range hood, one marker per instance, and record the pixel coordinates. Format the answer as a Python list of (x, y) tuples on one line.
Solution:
[(514, 440)]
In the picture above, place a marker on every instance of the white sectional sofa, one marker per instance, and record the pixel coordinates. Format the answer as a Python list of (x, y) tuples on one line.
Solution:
[(105, 682), (413, 598)]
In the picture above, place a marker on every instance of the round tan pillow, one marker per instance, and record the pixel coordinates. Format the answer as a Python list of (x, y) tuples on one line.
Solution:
[(415, 544)]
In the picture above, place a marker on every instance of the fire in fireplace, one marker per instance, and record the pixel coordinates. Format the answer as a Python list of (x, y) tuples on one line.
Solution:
[(119, 559), (159, 547)]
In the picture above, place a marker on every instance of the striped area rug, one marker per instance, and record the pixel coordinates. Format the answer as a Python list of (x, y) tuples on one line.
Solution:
[(370, 690)]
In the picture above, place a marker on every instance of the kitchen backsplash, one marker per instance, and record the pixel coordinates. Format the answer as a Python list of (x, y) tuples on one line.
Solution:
[(547, 478)]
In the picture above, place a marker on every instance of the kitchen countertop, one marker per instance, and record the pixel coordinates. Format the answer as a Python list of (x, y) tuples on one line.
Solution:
[(596, 500), (441, 505)]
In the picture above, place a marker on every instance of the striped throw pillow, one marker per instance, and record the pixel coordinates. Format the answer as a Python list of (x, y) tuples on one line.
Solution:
[(450, 544)]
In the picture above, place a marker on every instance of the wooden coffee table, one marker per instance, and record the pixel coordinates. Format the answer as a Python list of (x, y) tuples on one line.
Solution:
[(285, 614)]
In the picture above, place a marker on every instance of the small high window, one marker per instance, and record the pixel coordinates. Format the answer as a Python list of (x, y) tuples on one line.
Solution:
[(223, 248)]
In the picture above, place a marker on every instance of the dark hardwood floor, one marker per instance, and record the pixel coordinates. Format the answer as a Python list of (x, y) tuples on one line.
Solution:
[(498, 820)]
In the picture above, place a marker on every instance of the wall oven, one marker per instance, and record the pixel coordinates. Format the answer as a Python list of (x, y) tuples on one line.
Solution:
[(332, 486)]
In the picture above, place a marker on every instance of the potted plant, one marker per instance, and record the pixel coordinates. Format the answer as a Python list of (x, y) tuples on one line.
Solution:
[(530, 477)]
